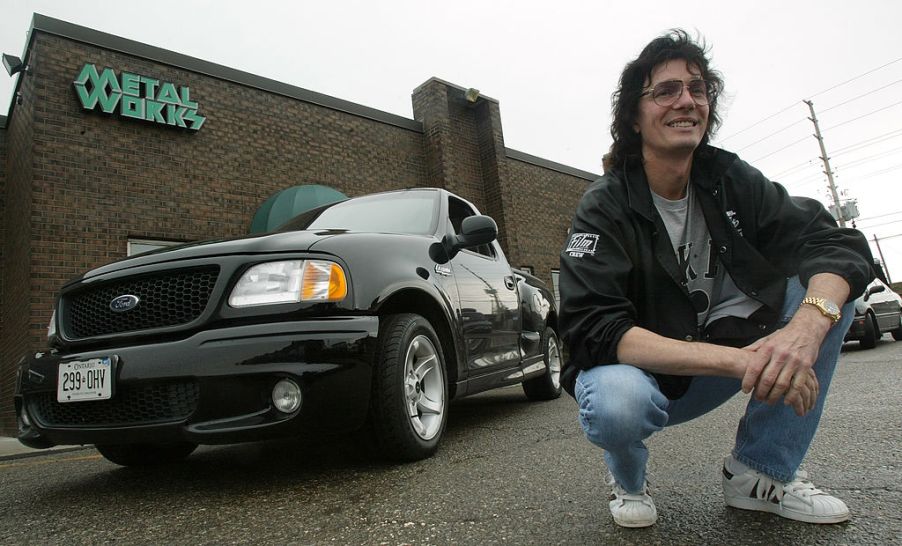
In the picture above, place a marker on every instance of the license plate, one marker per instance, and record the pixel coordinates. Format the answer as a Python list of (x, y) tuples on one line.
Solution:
[(82, 380)]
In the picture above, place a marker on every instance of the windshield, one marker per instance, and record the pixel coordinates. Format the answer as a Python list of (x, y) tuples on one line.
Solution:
[(398, 212)]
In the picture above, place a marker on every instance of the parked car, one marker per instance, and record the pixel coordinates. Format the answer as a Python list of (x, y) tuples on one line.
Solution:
[(877, 311), (370, 315)]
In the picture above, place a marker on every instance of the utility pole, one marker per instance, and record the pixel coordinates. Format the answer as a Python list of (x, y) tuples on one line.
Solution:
[(889, 279), (826, 160)]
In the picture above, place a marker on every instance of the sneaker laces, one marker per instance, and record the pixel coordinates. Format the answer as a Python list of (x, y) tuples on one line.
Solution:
[(802, 487), (770, 489)]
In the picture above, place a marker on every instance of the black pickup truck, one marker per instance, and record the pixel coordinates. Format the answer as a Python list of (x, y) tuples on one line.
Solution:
[(368, 315)]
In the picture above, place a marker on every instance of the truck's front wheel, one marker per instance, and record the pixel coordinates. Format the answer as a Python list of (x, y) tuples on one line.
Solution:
[(409, 402)]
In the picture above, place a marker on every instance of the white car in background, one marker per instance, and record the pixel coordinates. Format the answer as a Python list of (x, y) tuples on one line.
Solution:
[(877, 311)]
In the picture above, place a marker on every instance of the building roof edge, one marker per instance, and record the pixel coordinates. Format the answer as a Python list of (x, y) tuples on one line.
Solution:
[(560, 167), (65, 29)]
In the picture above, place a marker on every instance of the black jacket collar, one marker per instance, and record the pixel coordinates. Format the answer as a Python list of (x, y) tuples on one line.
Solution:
[(708, 167)]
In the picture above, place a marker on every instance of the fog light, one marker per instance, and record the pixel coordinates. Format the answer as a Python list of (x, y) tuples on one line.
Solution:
[(286, 396)]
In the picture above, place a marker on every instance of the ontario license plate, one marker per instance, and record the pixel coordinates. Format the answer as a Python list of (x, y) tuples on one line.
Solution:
[(82, 380)]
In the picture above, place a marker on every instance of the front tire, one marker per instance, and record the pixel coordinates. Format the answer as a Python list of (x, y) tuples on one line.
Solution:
[(409, 402), (548, 385), (871, 332), (897, 333), (139, 455)]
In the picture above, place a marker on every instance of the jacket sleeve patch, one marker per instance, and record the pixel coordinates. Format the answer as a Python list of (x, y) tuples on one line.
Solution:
[(581, 244)]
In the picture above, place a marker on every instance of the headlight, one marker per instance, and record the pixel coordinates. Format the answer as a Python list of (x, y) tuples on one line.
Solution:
[(290, 281)]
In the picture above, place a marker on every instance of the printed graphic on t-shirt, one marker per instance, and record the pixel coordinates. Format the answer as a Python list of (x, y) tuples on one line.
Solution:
[(700, 287)]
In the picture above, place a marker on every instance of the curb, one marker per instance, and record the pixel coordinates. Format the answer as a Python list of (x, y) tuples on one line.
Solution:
[(28, 453)]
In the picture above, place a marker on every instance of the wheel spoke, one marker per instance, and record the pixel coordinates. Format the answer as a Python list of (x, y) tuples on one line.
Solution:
[(412, 410), (419, 426), (427, 405), (425, 366)]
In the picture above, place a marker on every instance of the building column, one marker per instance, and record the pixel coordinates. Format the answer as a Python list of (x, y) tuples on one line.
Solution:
[(464, 149)]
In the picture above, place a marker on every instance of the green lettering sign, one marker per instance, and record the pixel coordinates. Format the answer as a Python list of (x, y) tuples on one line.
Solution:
[(137, 97), (104, 88), (132, 107), (131, 84)]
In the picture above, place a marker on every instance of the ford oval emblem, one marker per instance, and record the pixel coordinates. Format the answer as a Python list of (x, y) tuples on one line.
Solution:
[(124, 303)]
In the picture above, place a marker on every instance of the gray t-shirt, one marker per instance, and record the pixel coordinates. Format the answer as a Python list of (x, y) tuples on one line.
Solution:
[(711, 289)]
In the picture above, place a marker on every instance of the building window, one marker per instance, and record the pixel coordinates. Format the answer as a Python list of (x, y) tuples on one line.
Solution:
[(140, 246), (555, 274)]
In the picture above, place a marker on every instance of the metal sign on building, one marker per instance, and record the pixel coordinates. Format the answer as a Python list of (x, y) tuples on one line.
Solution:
[(137, 97)]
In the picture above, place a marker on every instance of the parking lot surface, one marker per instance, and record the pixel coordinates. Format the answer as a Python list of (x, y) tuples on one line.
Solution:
[(509, 472)]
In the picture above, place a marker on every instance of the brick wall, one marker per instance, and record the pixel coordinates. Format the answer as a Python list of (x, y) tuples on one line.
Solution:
[(3, 156), (16, 334), (544, 201)]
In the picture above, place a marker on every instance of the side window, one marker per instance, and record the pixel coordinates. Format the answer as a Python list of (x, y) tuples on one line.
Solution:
[(457, 211)]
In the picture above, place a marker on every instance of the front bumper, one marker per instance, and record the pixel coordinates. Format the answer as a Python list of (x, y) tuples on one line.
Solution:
[(211, 388)]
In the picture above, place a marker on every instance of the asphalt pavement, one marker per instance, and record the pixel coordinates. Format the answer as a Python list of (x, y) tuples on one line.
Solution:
[(508, 472)]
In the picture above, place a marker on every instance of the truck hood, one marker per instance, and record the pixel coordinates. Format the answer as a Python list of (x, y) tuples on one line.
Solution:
[(269, 243)]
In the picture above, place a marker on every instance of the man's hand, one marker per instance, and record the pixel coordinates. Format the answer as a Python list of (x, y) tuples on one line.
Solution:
[(763, 373), (803, 393), (791, 351)]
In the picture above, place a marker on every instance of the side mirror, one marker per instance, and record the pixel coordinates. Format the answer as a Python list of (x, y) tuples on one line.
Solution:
[(874, 290), (474, 231), (477, 230)]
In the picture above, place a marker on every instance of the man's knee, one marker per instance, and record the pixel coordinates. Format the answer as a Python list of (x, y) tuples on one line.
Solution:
[(619, 405)]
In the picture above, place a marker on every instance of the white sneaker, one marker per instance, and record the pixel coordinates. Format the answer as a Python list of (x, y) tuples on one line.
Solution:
[(631, 509), (799, 500)]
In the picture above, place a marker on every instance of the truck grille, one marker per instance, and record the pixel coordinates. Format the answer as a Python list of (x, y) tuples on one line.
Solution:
[(139, 405), (170, 298)]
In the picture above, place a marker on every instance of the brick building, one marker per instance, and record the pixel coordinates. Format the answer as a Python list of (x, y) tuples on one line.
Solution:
[(111, 145)]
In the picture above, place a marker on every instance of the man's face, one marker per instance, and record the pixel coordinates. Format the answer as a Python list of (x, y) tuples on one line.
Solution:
[(677, 129)]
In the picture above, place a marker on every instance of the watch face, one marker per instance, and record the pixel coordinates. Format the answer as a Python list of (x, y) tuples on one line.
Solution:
[(831, 308)]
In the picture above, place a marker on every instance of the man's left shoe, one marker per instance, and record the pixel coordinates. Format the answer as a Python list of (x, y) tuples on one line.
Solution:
[(798, 499)]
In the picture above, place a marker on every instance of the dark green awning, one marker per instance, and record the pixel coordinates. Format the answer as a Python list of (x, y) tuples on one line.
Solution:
[(290, 202)]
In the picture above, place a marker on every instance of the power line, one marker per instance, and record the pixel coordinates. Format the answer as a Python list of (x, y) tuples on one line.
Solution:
[(879, 216), (860, 96), (791, 144), (825, 130), (855, 78), (791, 125), (793, 168), (868, 158), (791, 106), (880, 224), (882, 171), (863, 116), (868, 142), (794, 104)]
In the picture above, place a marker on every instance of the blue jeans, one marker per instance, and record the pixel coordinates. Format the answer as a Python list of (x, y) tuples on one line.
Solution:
[(621, 405)]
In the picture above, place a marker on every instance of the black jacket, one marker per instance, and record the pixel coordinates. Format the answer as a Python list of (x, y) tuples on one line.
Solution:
[(618, 269)]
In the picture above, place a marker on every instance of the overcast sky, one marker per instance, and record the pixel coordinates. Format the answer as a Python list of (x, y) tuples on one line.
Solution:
[(553, 66)]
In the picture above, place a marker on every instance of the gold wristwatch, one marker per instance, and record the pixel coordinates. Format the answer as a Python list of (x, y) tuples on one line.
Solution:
[(825, 306)]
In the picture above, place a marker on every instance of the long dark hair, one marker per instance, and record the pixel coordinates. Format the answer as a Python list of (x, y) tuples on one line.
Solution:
[(676, 44)]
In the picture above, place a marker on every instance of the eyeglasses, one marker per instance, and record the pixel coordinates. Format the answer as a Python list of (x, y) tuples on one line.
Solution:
[(667, 93)]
